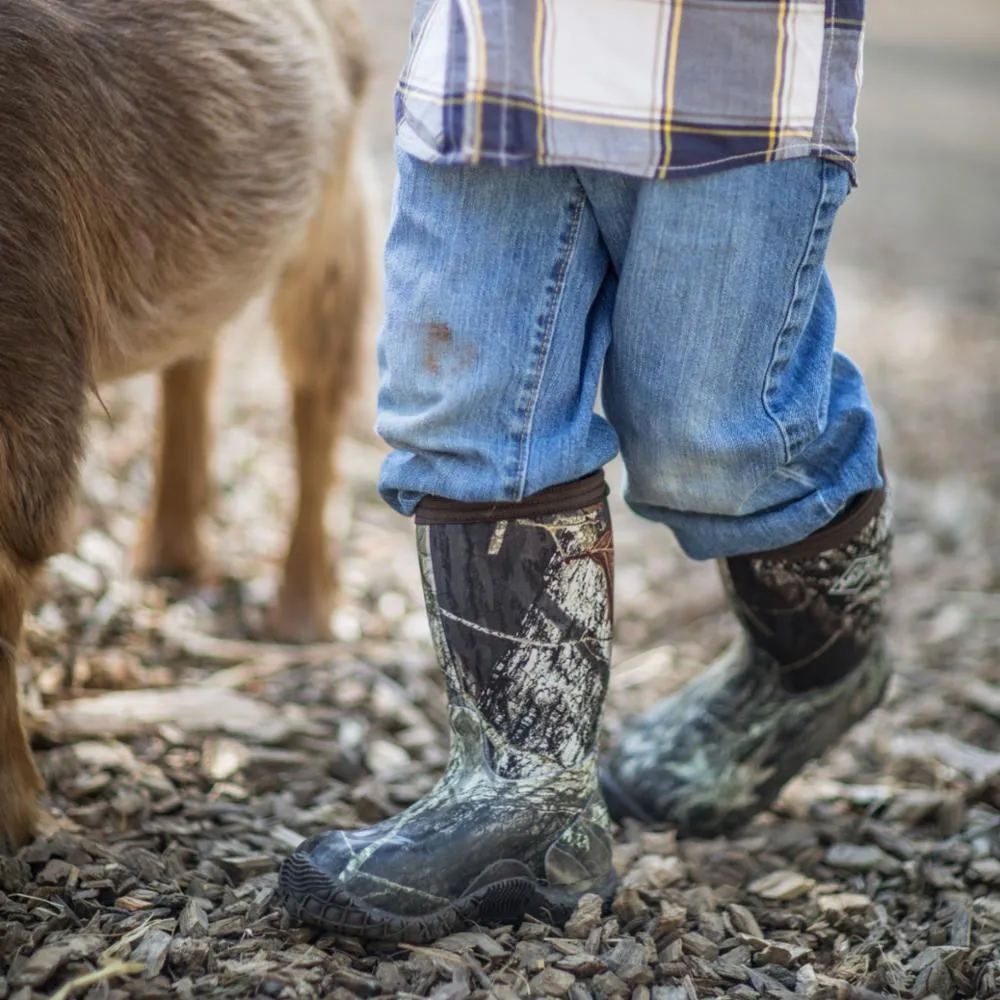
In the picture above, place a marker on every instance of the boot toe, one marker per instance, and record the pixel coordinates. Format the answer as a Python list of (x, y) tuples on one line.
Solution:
[(322, 884), (425, 873)]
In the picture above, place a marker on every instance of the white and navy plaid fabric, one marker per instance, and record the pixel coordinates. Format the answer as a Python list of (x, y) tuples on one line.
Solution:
[(654, 88)]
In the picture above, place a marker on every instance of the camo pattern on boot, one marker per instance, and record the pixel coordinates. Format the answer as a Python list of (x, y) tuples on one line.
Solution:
[(817, 607), (520, 614), (478, 847), (535, 684), (811, 663)]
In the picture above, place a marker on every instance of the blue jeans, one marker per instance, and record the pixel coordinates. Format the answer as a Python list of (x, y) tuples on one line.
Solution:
[(701, 307)]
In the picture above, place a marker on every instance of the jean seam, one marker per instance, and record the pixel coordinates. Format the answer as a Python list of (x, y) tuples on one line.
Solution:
[(819, 224), (777, 363), (527, 410)]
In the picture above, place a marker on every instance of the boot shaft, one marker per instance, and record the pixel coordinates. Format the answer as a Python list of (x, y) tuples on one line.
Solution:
[(817, 607), (519, 599)]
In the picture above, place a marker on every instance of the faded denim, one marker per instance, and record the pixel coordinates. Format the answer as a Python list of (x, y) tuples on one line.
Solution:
[(700, 307)]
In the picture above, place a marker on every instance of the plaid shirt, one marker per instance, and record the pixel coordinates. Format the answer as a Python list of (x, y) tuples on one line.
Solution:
[(654, 88)]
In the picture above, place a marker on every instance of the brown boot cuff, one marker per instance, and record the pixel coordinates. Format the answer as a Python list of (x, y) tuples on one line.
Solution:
[(580, 494)]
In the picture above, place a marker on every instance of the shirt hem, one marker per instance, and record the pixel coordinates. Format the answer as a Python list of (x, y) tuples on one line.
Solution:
[(419, 149)]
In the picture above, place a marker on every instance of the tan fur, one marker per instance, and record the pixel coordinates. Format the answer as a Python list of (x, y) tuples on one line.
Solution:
[(161, 163)]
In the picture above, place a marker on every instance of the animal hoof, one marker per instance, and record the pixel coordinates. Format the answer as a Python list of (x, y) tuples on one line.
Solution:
[(300, 621)]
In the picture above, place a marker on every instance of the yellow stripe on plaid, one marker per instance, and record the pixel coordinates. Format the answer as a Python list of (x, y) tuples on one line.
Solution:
[(539, 85), (779, 78), (477, 90), (676, 13)]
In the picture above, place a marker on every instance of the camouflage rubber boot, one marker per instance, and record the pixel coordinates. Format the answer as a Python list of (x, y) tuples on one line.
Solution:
[(810, 664), (519, 602)]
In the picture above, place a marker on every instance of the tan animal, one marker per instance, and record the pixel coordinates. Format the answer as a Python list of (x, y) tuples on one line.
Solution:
[(161, 163)]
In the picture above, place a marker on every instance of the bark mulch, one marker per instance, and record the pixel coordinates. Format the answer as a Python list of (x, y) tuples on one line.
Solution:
[(185, 754)]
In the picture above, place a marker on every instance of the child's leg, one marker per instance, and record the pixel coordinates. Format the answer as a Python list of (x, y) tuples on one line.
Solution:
[(740, 427), (491, 348), (747, 434), (497, 320)]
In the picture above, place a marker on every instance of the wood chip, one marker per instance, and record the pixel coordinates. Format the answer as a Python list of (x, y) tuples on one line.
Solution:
[(38, 968), (587, 916), (607, 986), (126, 713), (357, 982), (653, 872), (972, 761), (672, 917), (385, 758), (698, 944), (552, 982), (960, 932), (861, 858), (628, 961), (744, 921), (151, 951), (780, 953), (583, 965), (222, 758), (844, 902), (628, 905), (466, 941), (782, 885), (193, 921), (986, 870), (239, 869)]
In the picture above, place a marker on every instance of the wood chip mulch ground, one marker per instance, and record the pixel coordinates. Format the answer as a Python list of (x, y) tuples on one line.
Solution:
[(185, 757)]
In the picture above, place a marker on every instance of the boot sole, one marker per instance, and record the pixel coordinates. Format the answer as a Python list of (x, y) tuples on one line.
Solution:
[(312, 897)]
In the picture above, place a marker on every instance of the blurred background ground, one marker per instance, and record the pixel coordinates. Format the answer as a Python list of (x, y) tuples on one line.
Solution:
[(880, 868)]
